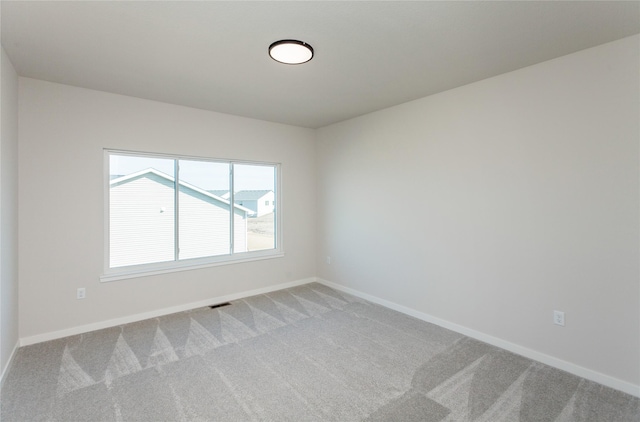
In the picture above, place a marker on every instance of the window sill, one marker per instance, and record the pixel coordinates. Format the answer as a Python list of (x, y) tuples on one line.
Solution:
[(149, 270)]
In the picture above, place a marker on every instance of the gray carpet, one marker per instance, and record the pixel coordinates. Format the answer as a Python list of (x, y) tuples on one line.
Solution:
[(308, 353)]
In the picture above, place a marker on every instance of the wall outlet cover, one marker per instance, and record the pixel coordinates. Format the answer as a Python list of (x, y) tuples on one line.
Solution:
[(558, 318)]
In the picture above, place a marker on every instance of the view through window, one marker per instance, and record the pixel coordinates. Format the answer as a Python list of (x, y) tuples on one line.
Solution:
[(169, 209)]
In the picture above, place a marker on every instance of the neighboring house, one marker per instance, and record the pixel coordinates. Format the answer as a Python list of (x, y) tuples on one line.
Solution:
[(142, 220), (261, 202)]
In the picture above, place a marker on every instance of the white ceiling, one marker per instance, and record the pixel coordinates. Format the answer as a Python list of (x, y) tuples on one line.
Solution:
[(369, 55)]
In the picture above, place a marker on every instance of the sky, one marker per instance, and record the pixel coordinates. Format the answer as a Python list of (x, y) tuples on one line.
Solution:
[(203, 174)]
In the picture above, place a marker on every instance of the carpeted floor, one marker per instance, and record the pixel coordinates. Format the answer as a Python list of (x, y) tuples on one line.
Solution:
[(308, 353)]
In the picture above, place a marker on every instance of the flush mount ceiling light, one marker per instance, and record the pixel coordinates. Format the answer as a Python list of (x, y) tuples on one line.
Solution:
[(291, 51)]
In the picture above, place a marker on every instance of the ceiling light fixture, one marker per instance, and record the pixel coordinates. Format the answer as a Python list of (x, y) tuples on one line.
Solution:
[(291, 51)]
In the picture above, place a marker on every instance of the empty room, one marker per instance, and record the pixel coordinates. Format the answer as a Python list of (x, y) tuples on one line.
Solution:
[(320, 211)]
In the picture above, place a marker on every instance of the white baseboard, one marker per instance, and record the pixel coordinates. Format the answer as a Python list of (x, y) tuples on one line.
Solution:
[(574, 369), (39, 338), (578, 370), (6, 368)]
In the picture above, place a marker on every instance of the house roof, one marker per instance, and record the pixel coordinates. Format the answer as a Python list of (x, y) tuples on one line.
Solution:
[(129, 177), (250, 195), (220, 193)]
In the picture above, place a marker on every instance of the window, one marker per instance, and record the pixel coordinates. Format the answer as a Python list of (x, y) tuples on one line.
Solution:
[(165, 213), (266, 203)]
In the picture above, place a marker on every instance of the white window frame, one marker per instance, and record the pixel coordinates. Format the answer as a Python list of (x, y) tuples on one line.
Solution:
[(143, 270)]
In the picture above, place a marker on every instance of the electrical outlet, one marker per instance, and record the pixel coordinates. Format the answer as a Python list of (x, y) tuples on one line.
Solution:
[(329, 260), (81, 293), (558, 318)]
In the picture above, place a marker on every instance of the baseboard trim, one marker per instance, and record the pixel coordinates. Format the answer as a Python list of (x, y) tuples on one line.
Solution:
[(54, 335), (574, 369), (7, 367)]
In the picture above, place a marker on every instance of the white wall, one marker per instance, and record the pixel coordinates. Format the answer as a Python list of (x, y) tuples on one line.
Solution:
[(500, 201), (8, 211), (63, 131)]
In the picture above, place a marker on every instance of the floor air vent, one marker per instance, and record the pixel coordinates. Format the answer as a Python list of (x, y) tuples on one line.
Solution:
[(220, 305)]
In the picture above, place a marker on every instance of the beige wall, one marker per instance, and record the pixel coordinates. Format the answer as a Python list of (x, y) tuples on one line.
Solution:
[(8, 211), (499, 202), (63, 131)]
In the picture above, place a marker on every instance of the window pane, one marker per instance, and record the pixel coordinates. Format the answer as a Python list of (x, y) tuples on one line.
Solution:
[(141, 210), (204, 210), (254, 192)]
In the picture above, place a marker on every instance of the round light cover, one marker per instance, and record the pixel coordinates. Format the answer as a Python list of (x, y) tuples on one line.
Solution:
[(291, 51)]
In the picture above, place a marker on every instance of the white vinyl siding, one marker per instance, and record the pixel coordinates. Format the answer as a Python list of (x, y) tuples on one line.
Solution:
[(265, 204), (260, 202), (240, 232), (142, 221), (204, 226)]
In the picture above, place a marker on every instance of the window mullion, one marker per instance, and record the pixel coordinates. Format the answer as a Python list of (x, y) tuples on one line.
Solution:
[(176, 213), (231, 209)]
